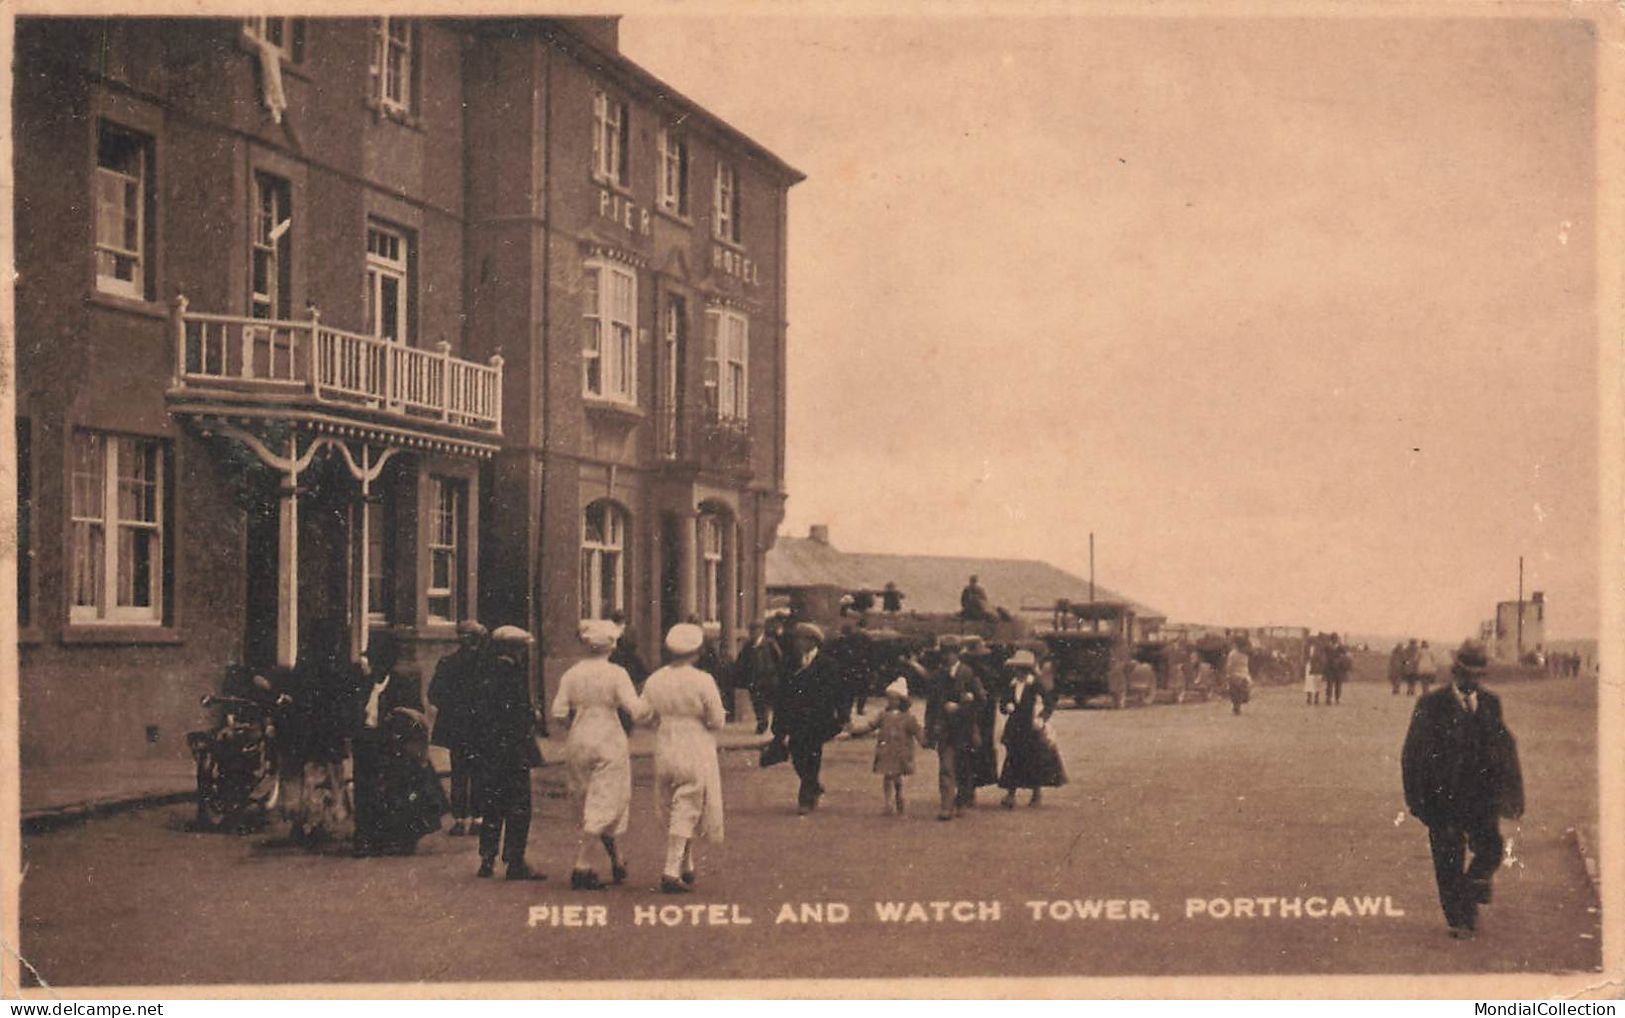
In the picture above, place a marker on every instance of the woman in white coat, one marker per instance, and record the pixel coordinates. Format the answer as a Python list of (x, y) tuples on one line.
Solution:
[(591, 695), (688, 778)]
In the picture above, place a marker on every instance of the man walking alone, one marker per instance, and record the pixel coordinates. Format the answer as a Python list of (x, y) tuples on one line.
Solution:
[(1461, 775)]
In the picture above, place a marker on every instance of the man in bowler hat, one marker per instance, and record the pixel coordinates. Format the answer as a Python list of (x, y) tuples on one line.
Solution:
[(1461, 774)]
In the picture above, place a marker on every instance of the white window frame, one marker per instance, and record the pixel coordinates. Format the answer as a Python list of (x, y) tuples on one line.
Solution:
[(611, 133), (269, 236), (110, 181), (727, 363), (726, 203), (610, 332), (447, 511), (267, 29), (102, 486), (603, 558), (382, 265), (711, 572), (392, 84), (674, 163)]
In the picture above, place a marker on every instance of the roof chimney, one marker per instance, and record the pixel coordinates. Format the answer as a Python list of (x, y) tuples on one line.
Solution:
[(819, 532), (1538, 596)]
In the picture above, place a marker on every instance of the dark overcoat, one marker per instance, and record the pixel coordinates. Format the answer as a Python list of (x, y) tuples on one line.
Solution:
[(1460, 766), (810, 701)]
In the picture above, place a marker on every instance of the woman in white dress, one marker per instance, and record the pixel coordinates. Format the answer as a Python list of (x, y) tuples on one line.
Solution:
[(591, 695), (688, 778)]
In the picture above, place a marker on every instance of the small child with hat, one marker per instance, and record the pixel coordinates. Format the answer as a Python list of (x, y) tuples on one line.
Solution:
[(899, 731)]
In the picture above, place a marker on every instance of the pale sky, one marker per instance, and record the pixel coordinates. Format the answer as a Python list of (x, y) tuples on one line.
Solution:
[(1296, 315)]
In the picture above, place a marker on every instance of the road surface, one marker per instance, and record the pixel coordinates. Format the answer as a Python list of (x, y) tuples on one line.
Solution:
[(1168, 807)]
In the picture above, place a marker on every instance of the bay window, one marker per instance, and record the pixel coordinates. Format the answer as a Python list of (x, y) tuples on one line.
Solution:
[(609, 332), (727, 353)]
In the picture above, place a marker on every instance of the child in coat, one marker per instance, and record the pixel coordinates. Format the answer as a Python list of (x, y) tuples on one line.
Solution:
[(899, 732)]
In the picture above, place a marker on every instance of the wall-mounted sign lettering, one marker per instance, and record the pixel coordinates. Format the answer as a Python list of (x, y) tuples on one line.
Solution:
[(623, 212), (734, 264)]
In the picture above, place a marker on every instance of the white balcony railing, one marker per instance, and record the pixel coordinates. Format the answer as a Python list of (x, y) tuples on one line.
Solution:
[(333, 366)]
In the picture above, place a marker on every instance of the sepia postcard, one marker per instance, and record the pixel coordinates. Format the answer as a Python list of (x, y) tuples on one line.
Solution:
[(750, 500)]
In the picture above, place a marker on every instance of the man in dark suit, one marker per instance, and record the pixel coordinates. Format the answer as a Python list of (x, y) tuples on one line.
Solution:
[(504, 750), (951, 715), (810, 711), (1461, 774), (1339, 662), (451, 694), (757, 669)]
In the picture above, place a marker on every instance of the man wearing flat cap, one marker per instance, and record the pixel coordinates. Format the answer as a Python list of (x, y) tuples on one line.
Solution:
[(451, 694), (1461, 775), (810, 710), (504, 751)]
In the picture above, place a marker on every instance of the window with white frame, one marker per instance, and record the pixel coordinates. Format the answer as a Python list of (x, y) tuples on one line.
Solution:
[(712, 577), (727, 355), (116, 537), (392, 64), (446, 513), (603, 560), (286, 34), (675, 336), (380, 560), (673, 171), (388, 263), (611, 137), (725, 204), (609, 332), (270, 257), (123, 187)]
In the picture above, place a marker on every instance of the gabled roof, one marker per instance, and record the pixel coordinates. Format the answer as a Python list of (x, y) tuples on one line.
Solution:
[(931, 583)]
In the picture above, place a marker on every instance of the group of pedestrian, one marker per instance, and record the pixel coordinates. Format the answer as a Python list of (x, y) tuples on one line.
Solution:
[(1326, 668), (1412, 664), (965, 695), (596, 697)]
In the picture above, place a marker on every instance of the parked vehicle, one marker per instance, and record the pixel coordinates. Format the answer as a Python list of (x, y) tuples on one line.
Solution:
[(1095, 646), (236, 765)]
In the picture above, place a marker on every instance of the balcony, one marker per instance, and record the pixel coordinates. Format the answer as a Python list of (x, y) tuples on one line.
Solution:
[(228, 357), (699, 438)]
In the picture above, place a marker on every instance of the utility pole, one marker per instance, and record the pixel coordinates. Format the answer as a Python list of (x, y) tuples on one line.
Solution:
[(1092, 567), (1520, 609)]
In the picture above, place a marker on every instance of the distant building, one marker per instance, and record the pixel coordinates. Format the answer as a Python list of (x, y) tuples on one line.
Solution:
[(799, 568), (1519, 625)]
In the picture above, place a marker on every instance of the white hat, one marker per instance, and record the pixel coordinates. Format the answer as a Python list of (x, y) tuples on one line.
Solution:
[(1021, 659), (684, 639), (599, 634), (510, 634), (898, 688)]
